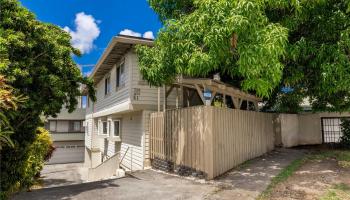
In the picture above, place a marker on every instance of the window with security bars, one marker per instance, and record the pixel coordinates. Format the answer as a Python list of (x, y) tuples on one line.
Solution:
[(331, 129)]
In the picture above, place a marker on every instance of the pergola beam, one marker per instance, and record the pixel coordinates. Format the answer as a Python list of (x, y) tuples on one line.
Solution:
[(200, 93), (215, 87)]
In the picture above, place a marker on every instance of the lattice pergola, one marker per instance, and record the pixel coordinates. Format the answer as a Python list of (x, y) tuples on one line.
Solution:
[(200, 85)]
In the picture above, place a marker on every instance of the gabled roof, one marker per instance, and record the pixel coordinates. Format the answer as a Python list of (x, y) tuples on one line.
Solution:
[(116, 49)]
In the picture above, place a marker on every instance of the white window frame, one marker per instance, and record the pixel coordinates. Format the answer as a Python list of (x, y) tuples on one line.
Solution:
[(120, 80), (100, 128), (113, 129), (50, 128), (107, 85), (74, 126), (109, 127)]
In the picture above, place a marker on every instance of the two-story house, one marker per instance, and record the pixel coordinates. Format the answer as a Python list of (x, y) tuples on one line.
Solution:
[(118, 120), (67, 133)]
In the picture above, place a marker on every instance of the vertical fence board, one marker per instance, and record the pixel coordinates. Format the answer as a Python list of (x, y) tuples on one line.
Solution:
[(210, 139)]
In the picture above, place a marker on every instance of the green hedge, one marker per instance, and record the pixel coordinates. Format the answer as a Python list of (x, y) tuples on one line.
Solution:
[(37, 152), (345, 128)]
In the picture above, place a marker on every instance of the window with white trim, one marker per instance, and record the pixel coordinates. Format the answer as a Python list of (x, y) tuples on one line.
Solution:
[(109, 123), (75, 126), (107, 85), (102, 127), (116, 128), (120, 75)]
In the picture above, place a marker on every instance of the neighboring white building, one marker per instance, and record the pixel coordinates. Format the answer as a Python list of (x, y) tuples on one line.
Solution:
[(67, 132), (118, 120)]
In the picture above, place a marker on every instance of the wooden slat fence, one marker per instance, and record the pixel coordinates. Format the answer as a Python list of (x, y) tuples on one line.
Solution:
[(210, 139)]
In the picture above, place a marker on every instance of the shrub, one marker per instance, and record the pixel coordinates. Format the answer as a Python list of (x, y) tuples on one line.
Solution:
[(345, 128), (38, 152), (30, 169)]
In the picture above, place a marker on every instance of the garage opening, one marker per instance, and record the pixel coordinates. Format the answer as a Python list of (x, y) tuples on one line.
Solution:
[(67, 152)]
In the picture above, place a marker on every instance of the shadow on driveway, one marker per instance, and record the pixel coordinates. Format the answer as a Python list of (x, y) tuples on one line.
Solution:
[(245, 182), (66, 192)]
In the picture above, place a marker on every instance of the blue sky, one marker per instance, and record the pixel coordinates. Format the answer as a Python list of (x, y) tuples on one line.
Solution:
[(93, 23)]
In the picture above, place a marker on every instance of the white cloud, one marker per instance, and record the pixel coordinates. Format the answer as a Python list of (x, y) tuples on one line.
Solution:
[(148, 34), (88, 73), (86, 32), (130, 33)]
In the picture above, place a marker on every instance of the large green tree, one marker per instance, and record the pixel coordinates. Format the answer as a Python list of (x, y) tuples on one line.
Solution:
[(36, 59), (300, 45), (232, 37), (317, 61)]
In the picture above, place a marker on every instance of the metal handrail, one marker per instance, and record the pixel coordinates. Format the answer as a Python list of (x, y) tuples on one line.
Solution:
[(103, 155), (121, 160), (110, 157)]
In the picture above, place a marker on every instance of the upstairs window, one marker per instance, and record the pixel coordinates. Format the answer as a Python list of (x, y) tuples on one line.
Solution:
[(120, 76), (52, 126), (107, 85), (75, 126)]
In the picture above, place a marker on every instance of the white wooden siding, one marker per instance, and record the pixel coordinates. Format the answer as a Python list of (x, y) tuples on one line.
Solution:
[(88, 133), (132, 138), (115, 96), (111, 148), (145, 124), (148, 95)]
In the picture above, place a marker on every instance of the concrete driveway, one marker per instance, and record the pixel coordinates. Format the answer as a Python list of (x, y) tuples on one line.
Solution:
[(145, 185), (63, 174), (245, 182)]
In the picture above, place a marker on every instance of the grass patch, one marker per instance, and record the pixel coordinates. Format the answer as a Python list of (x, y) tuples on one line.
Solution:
[(282, 176), (337, 192), (343, 158), (245, 164)]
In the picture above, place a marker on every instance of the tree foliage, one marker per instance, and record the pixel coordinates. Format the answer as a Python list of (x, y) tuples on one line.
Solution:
[(8, 101), (36, 59), (231, 37), (345, 129), (171, 9), (317, 61), (299, 44)]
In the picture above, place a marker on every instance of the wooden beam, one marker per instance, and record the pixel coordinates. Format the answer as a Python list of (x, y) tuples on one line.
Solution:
[(212, 96), (177, 98), (240, 103), (221, 87), (182, 96), (224, 100), (188, 97), (169, 91), (235, 101), (200, 93), (256, 106)]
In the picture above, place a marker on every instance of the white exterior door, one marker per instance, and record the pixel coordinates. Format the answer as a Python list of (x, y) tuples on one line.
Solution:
[(67, 152)]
